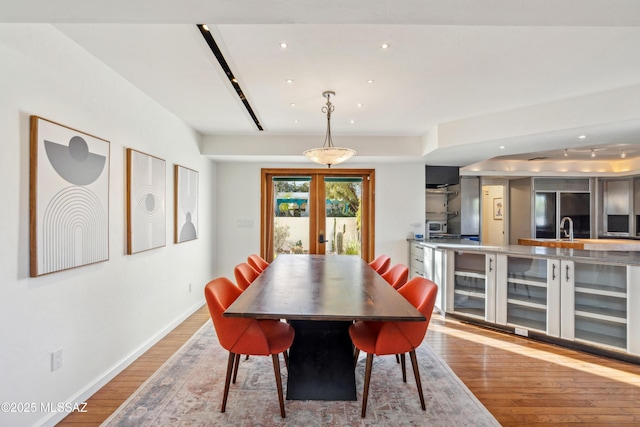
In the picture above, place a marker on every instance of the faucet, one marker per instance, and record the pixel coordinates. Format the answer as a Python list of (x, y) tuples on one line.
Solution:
[(562, 221)]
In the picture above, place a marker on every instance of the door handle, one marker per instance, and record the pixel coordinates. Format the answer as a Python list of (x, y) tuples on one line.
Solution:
[(553, 273), (321, 237), (490, 265), (567, 271)]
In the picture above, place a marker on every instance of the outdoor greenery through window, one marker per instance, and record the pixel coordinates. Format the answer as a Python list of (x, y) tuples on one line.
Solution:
[(292, 207)]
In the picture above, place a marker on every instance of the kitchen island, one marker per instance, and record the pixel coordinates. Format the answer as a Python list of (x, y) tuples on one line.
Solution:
[(578, 298)]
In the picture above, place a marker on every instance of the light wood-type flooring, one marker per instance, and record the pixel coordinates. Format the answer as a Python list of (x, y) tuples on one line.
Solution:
[(520, 381)]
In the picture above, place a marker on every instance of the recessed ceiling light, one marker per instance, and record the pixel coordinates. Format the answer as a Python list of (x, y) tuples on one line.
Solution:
[(593, 152), (385, 45), (359, 104), (623, 154), (289, 81), (293, 104), (502, 147), (566, 153), (369, 81), (352, 121), (295, 121), (582, 136), (283, 45)]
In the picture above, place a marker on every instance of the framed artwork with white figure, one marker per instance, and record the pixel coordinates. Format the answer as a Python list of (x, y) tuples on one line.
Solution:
[(186, 204), (146, 202), (68, 196)]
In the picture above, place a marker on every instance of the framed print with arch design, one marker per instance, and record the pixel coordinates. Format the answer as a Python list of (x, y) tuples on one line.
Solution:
[(185, 204), (146, 202), (68, 197)]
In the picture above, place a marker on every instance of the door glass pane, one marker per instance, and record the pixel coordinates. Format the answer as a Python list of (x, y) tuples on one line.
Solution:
[(343, 197), (291, 215), (545, 216), (577, 206)]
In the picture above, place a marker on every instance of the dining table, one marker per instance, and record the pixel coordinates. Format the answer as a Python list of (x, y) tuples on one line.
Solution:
[(321, 296)]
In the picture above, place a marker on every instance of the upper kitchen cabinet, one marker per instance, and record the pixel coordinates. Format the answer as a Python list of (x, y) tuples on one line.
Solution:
[(617, 200), (620, 206), (636, 206)]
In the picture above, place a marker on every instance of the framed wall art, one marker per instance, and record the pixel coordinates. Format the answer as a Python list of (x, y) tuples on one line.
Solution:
[(185, 204), (68, 197), (146, 202), (497, 208)]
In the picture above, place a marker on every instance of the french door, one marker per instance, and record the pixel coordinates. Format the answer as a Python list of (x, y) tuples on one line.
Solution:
[(317, 211)]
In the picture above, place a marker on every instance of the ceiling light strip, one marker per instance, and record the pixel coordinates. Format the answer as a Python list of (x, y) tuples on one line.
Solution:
[(225, 67)]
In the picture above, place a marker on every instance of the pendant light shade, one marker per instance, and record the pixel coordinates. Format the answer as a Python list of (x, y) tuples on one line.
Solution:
[(328, 154)]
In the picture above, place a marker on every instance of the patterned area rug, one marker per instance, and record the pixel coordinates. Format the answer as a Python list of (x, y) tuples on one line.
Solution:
[(187, 391)]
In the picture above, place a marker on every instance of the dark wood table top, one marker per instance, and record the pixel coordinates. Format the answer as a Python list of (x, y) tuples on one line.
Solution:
[(322, 287)]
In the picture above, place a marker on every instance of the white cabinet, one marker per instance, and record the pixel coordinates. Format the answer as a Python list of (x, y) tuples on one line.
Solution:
[(416, 260), (595, 304), (429, 262), (473, 276), (528, 294)]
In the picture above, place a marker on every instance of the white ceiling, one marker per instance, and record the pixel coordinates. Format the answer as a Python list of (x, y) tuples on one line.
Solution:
[(461, 76)]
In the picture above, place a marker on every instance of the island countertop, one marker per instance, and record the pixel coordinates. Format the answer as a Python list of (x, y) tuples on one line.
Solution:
[(607, 256)]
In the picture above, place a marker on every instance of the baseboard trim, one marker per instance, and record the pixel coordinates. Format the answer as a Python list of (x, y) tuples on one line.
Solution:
[(90, 389)]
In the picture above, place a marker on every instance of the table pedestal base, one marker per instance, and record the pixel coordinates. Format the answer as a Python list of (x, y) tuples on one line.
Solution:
[(321, 362)]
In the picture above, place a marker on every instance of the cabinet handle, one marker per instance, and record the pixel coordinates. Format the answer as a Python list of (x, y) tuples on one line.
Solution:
[(418, 259), (490, 265), (553, 274), (567, 267)]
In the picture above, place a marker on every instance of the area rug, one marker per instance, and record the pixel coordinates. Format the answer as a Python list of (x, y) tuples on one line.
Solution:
[(187, 391)]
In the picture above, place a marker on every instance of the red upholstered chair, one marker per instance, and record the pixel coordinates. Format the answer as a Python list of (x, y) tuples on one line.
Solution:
[(381, 264), (257, 262), (245, 275), (382, 338), (397, 275), (244, 335)]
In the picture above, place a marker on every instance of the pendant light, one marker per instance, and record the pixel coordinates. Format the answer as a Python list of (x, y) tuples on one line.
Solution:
[(328, 154)]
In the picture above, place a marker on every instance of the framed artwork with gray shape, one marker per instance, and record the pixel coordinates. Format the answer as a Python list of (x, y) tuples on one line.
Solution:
[(68, 196), (186, 204), (146, 202)]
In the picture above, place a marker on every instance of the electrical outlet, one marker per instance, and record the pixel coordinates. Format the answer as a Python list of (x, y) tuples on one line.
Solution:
[(56, 360)]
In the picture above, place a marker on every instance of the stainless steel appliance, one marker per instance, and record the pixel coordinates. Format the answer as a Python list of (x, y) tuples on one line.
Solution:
[(558, 198), (436, 227)]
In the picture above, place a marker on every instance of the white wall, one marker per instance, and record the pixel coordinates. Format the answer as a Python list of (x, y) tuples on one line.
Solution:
[(399, 203), (104, 314)]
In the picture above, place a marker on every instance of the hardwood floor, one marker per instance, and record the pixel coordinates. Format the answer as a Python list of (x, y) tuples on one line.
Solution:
[(520, 381)]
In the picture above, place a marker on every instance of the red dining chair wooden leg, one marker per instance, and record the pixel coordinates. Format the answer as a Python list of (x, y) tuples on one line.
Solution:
[(236, 362), (286, 359), (416, 373), (367, 379), (397, 358), (276, 369), (403, 364), (227, 381), (356, 354)]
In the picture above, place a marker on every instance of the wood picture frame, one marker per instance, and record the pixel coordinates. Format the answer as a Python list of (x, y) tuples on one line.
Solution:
[(146, 202), (186, 200), (68, 197), (498, 208)]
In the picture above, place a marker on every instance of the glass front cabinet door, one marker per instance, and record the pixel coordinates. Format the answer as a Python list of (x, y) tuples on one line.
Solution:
[(528, 294), (474, 282), (600, 305)]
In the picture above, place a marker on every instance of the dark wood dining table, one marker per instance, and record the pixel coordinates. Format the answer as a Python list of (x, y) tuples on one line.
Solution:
[(321, 296)]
